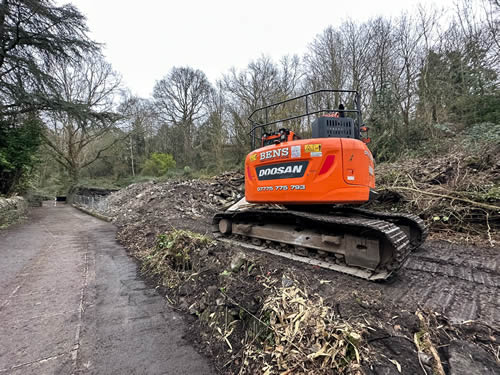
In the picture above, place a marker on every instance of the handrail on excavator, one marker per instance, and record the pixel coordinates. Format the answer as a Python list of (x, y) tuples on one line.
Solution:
[(256, 125)]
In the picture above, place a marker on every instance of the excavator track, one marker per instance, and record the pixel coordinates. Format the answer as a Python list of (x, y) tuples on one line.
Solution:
[(413, 225), (359, 242)]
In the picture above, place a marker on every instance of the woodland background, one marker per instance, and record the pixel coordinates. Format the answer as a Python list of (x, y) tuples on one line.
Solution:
[(429, 82)]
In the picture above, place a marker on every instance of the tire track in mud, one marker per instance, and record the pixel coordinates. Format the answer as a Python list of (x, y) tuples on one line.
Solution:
[(467, 272), (460, 282)]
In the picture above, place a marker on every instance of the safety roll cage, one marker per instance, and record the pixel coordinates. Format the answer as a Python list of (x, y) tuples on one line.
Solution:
[(259, 125)]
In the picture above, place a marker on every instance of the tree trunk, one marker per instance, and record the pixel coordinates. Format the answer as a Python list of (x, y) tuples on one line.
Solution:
[(187, 144), (132, 156), (74, 174)]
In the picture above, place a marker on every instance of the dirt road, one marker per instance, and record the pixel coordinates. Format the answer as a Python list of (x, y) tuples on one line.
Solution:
[(70, 302)]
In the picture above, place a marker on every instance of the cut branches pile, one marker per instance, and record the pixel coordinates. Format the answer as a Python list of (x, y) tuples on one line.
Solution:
[(306, 337), (459, 192)]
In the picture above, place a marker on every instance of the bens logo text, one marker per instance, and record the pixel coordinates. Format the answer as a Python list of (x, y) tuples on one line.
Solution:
[(280, 153)]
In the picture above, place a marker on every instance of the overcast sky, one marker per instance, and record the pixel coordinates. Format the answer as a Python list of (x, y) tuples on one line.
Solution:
[(144, 39)]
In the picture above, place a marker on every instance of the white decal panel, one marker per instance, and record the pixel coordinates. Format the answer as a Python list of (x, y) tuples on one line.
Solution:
[(295, 151), (278, 153), (294, 169)]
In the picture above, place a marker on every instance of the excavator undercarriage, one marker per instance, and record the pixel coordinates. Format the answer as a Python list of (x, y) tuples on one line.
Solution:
[(363, 243)]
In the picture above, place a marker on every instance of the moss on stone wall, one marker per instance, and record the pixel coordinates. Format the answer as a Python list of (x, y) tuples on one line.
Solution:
[(12, 210)]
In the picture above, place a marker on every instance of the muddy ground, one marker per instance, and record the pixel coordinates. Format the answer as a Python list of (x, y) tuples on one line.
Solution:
[(447, 292)]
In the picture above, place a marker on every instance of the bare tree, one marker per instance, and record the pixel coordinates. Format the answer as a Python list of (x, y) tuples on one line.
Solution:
[(263, 82), (357, 48), (181, 99), (290, 75), (139, 117), (409, 49), (256, 86), (492, 17), (325, 63), (90, 85), (246, 90), (428, 107), (381, 53), (212, 136)]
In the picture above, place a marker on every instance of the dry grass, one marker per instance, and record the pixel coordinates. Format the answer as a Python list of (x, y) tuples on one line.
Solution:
[(305, 336), (174, 257)]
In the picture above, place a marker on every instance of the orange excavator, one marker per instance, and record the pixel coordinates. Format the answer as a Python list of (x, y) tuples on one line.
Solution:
[(302, 195)]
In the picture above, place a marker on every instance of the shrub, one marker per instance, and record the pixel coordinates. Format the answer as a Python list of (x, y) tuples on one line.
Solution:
[(158, 164)]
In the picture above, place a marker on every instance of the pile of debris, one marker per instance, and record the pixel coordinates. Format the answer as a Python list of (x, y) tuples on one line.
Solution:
[(189, 198), (150, 208), (12, 210), (306, 336), (176, 256), (457, 192)]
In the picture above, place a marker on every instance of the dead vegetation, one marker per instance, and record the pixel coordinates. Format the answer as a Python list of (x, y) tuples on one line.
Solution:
[(305, 335), (285, 330), (437, 338), (175, 257), (457, 193)]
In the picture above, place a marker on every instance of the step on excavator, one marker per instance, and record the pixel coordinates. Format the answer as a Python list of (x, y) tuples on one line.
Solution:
[(302, 195)]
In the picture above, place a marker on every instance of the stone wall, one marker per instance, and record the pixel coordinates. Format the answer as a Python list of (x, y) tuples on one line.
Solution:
[(11, 210)]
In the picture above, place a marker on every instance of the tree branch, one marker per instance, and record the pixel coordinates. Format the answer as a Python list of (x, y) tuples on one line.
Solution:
[(465, 200)]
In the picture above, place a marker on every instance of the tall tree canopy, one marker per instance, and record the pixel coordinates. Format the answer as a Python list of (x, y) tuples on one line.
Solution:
[(34, 36), (90, 86), (181, 98)]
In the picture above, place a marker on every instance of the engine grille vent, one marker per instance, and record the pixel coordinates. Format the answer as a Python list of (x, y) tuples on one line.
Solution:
[(325, 127)]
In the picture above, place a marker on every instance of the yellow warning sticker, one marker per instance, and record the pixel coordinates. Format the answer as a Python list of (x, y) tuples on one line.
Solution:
[(312, 148), (253, 157)]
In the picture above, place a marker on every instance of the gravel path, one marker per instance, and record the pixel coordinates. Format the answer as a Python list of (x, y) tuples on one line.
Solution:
[(71, 303)]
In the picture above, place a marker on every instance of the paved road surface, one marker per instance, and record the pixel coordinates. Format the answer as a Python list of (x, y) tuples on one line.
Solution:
[(71, 303)]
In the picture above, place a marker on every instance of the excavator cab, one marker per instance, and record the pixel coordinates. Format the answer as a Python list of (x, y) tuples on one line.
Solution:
[(279, 136)]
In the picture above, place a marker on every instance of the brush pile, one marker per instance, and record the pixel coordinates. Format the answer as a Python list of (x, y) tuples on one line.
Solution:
[(175, 257), (305, 336), (458, 192), (12, 210)]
